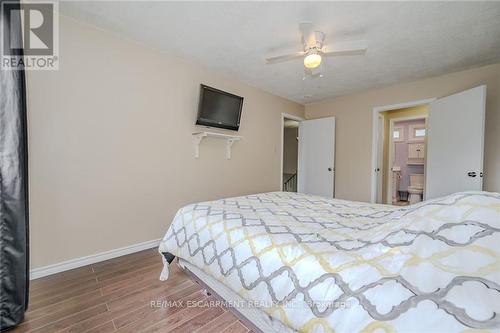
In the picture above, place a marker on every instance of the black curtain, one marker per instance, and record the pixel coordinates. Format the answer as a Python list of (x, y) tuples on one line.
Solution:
[(14, 260)]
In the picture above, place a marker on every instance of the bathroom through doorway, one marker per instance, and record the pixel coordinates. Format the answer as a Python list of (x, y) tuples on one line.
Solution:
[(402, 155)]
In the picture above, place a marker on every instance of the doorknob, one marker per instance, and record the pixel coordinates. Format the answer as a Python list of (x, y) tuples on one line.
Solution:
[(471, 174), (329, 169)]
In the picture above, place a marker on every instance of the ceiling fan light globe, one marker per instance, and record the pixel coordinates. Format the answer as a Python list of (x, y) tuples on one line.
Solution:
[(312, 60)]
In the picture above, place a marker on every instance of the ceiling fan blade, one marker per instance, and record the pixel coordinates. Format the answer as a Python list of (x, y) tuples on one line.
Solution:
[(348, 48), (308, 35), (285, 57), (319, 38)]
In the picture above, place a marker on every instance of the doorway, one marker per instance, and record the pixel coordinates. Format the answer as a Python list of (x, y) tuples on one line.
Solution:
[(406, 160), (452, 146), (289, 152), (401, 155), (308, 155), (290, 155)]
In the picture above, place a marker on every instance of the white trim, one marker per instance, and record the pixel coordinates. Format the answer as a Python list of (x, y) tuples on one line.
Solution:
[(91, 259), (283, 116), (388, 199), (378, 109), (375, 129)]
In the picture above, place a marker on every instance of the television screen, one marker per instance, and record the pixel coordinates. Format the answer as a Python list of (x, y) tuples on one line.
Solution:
[(219, 108)]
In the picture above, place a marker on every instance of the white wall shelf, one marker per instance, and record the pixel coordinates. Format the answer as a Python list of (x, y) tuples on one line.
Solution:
[(199, 136)]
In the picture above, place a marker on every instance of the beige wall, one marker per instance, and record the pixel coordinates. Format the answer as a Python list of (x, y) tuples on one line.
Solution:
[(111, 153), (354, 125), (290, 150)]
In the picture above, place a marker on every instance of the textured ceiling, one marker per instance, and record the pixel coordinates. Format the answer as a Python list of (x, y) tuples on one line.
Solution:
[(407, 40)]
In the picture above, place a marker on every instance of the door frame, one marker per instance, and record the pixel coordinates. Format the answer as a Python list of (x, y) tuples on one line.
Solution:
[(284, 116), (375, 133), (390, 152)]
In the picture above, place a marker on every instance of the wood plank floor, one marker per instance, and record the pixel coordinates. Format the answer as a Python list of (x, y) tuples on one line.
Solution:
[(123, 295)]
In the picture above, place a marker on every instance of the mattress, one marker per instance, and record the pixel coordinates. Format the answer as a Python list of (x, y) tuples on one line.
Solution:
[(320, 265)]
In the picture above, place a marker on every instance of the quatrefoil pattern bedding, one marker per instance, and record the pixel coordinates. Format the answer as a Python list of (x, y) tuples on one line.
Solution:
[(328, 265)]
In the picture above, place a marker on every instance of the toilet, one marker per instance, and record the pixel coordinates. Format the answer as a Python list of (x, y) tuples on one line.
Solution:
[(416, 188)]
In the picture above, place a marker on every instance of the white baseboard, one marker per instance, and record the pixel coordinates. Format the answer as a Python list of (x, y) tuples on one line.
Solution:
[(92, 259)]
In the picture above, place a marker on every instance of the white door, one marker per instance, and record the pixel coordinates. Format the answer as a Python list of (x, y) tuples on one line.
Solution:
[(455, 143), (380, 160), (315, 172)]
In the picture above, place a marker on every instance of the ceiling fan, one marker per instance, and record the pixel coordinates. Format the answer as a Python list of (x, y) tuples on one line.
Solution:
[(314, 50)]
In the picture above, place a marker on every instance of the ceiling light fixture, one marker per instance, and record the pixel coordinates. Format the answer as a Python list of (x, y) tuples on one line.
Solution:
[(312, 60)]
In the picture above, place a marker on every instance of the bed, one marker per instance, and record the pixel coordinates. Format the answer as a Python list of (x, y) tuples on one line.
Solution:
[(294, 262)]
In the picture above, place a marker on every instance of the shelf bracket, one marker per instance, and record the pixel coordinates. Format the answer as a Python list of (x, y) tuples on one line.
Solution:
[(229, 144), (197, 138)]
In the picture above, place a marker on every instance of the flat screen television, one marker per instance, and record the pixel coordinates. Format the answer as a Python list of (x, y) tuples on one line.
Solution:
[(218, 108)]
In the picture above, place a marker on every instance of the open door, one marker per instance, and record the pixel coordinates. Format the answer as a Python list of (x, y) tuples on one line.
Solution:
[(380, 159), (316, 157), (455, 142)]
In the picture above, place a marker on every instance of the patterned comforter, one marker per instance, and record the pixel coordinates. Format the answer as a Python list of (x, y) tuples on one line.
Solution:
[(321, 265)]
